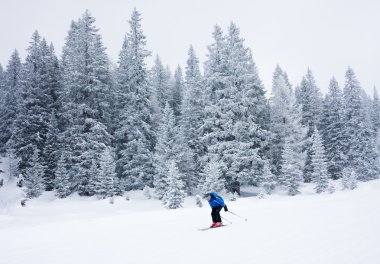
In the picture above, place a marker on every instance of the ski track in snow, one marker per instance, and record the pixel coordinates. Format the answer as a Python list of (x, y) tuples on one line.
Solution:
[(339, 228)]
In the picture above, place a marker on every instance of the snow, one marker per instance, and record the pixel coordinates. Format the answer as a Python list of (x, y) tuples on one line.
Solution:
[(328, 228)]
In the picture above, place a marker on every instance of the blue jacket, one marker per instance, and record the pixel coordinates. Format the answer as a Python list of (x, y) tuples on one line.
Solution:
[(216, 200)]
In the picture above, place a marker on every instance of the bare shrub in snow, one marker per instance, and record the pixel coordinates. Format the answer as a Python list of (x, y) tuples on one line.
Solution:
[(331, 189), (349, 179), (146, 192), (198, 201)]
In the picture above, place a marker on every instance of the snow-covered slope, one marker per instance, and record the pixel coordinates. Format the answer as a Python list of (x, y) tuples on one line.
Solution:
[(339, 228)]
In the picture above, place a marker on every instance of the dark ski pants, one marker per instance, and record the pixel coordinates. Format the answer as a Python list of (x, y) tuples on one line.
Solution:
[(215, 214)]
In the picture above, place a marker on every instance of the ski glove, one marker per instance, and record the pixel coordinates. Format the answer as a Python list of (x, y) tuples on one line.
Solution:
[(225, 208)]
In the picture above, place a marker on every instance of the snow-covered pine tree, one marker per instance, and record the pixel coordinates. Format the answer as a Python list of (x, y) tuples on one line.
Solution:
[(359, 133), (31, 127), (51, 80), (174, 196), (2, 89), (160, 179), (251, 129), (160, 82), (63, 176), (215, 84), (192, 110), (120, 83), (108, 171), (291, 169), (375, 113), (106, 181), (234, 131), (87, 84), (186, 163), (267, 181), (318, 162), (33, 176), (282, 103), (93, 178), (51, 152), (310, 99), (10, 103), (286, 116), (176, 93), (333, 128), (2, 97), (367, 110), (13, 162), (165, 150), (349, 179), (135, 137), (213, 178), (2, 81), (375, 117)]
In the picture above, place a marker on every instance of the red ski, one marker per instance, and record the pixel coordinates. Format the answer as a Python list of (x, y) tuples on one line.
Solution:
[(207, 228)]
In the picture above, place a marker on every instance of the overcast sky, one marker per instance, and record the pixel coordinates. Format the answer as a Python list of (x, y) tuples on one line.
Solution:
[(325, 35)]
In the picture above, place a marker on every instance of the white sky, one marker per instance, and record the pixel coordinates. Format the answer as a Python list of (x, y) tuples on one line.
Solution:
[(326, 36)]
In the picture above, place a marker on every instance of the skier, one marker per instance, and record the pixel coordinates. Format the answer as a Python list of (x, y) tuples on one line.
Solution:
[(217, 203)]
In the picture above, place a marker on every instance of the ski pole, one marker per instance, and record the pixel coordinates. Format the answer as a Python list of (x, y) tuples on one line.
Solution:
[(225, 219), (237, 215)]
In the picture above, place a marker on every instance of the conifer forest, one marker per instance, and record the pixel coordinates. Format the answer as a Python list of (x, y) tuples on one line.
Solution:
[(81, 124)]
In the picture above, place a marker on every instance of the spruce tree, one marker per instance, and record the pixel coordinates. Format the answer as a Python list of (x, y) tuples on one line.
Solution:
[(106, 181), (267, 181), (213, 133), (176, 93), (165, 150), (235, 129), (192, 114), (213, 180), (2, 93), (33, 176), (318, 162), (251, 111), (11, 100), (186, 159), (375, 117), (310, 100), (282, 103), (286, 116), (51, 152), (135, 136), (375, 113), (63, 176), (31, 125), (86, 83), (160, 82), (291, 170), (174, 196), (333, 128), (93, 177), (2, 80), (51, 81), (2, 88), (359, 133)]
